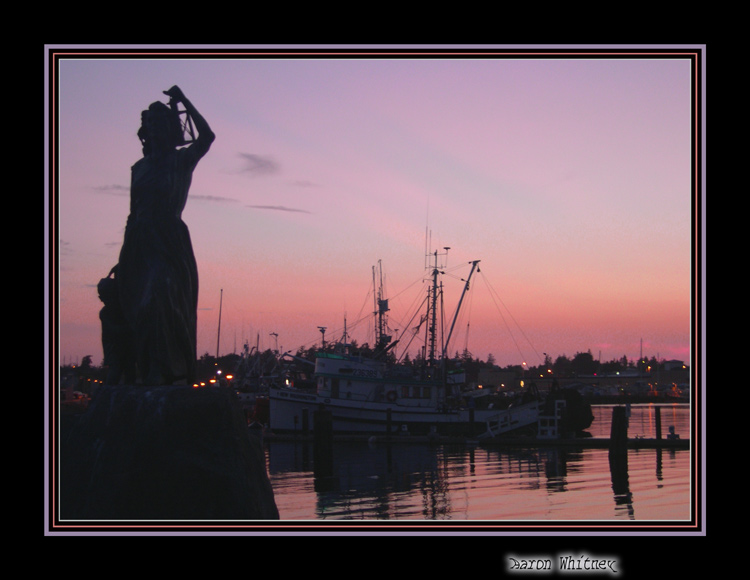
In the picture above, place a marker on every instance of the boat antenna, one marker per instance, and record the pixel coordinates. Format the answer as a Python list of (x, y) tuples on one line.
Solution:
[(322, 330)]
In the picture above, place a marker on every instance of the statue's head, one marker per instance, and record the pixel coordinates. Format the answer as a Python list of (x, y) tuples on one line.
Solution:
[(160, 128)]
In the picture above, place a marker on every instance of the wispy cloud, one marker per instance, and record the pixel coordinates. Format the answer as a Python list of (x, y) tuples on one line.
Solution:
[(279, 208), (113, 189), (214, 198), (121, 190), (259, 165), (304, 183)]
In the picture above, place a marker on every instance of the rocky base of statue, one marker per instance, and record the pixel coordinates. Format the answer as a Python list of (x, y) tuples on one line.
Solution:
[(172, 453)]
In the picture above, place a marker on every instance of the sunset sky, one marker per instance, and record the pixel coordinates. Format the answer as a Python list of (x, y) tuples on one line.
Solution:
[(569, 178)]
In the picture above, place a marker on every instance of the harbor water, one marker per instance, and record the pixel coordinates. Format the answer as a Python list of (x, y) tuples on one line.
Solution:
[(410, 481)]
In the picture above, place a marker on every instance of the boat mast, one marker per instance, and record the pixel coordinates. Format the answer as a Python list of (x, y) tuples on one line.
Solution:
[(218, 331), (432, 308), (381, 307), (432, 328)]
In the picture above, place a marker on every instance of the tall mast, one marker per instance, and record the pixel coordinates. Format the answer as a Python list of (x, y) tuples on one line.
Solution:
[(381, 307), (433, 312), (432, 306), (375, 305), (218, 332)]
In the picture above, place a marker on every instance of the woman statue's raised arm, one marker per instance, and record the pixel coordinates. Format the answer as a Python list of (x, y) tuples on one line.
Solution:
[(205, 135)]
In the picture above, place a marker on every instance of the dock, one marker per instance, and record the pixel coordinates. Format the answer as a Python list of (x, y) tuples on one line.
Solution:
[(548, 435), (578, 442)]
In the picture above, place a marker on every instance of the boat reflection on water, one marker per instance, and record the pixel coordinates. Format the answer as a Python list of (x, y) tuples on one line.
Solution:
[(415, 481), (422, 482)]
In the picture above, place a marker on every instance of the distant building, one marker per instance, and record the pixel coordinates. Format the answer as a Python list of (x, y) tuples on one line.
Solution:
[(673, 365), (497, 378)]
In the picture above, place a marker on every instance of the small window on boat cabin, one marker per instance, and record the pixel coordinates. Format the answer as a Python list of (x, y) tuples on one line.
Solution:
[(405, 392)]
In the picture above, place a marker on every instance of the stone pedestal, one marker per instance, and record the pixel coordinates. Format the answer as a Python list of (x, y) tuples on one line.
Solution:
[(171, 453)]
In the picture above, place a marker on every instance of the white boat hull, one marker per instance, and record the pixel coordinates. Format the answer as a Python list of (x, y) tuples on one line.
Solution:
[(295, 411)]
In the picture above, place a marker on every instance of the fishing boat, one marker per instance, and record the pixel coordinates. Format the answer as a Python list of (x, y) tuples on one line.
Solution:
[(375, 394)]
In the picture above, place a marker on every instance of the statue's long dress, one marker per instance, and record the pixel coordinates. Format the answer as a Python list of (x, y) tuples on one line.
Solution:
[(157, 275)]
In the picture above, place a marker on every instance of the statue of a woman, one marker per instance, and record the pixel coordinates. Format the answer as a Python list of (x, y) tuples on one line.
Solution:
[(157, 276)]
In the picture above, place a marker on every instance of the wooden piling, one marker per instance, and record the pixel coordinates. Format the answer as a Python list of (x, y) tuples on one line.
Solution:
[(618, 453), (618, 438), (305, 421), (323, 442), (323, 430), (658, 422)]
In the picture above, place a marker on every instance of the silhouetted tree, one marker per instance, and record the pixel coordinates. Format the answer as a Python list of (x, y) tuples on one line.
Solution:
[(562, 366), (583, 363)]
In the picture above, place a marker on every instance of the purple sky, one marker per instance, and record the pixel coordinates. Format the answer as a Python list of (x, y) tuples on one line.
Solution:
[(570, 179)]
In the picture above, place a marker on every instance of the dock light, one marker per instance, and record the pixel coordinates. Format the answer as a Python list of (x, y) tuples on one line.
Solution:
[(230, 377)]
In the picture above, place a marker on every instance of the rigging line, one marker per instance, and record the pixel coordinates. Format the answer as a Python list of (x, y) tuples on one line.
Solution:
[(448, 272), (362, 309), (418, 280), (414, 331), (462, 314), (468, 322), (512, 317), (333, 332), (503, 317), (465, 313), (415, 307)]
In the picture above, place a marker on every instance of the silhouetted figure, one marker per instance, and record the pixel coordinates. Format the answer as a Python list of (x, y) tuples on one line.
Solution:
[(117, 343), (157, 276)]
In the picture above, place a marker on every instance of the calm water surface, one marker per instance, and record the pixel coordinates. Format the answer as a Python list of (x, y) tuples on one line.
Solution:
[(443, 482)]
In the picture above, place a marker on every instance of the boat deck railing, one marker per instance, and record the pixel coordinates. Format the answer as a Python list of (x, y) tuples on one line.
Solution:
[(510, 419)]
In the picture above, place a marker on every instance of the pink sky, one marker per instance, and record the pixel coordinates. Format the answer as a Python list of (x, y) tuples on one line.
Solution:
[(570, 179)]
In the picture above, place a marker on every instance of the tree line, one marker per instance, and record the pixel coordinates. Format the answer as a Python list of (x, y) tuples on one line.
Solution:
[(265, 362)]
